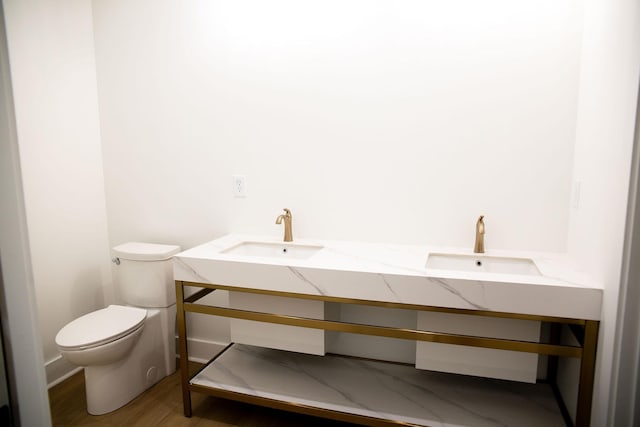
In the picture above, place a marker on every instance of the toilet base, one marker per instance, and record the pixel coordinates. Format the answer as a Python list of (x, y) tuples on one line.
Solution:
[(109, 387)]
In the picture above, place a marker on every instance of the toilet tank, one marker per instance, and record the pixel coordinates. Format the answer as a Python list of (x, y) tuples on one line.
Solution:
[(144, 274)]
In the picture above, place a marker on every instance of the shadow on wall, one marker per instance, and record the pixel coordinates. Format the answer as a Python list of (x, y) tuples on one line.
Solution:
[(87, 293)]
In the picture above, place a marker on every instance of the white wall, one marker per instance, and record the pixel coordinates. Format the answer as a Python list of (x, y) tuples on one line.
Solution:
[(625, 381), (610, 71), (377, 121), (19, 317), (54, 85)]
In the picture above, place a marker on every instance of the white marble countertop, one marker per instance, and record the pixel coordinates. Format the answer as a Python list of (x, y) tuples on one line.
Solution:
[(381, 390), (396, 273)]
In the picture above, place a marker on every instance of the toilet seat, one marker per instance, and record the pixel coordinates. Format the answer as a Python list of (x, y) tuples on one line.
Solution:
[(100, 327)]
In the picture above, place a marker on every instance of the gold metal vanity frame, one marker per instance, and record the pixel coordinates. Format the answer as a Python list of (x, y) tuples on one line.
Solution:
[(585, 331)]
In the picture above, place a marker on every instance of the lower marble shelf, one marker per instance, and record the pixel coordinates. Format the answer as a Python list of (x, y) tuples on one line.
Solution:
[(380, 390)]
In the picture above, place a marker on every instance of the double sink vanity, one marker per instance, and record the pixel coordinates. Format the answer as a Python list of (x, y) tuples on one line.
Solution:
[(381, 334)]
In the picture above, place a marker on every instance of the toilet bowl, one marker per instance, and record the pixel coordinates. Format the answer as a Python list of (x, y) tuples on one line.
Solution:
[(125, 349), (101, 337)]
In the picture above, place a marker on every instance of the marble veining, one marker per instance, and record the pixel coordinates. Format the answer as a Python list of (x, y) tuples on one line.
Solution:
[(299, 275), (195, 276), (445, 285), (396, 273), (390, 288), (381, 390)]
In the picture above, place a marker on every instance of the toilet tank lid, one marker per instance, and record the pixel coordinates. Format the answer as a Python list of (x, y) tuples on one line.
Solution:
[(138, 251)]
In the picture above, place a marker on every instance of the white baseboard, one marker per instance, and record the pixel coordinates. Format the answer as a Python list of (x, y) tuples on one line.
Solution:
[(58, 370), (201, 351)]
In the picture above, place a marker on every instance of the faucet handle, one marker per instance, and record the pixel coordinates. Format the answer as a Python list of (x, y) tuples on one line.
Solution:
[(286, 216), (288, 234), (479, 245)]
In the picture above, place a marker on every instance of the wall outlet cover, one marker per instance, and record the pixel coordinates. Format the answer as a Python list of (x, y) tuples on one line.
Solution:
[(239, 186)]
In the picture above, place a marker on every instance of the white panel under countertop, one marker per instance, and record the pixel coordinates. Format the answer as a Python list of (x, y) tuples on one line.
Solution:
[(281, 337), (477, 361)]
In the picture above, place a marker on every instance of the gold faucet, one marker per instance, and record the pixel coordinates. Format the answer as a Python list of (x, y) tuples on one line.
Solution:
[(479, 246), (288, 234)]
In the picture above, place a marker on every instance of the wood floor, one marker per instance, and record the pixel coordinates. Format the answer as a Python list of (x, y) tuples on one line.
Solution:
[(162, 406)]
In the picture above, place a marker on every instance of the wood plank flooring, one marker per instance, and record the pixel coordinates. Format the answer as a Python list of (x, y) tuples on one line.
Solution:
[(161, 405)]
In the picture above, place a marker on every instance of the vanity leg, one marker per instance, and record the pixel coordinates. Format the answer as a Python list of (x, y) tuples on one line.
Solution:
[(182, 348), (555, 334), (552, 366), (587, 373)]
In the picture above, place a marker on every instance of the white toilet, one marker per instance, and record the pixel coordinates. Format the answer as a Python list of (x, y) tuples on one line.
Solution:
[(125, 349)]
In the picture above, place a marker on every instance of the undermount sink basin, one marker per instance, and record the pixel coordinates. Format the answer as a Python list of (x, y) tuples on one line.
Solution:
[(483, 263), (279, 250)]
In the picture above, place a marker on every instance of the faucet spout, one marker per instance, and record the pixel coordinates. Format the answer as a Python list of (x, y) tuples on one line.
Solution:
[(479, 245), (286, 217)]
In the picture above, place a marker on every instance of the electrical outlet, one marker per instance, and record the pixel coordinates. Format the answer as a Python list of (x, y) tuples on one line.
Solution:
[(239, 186)]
